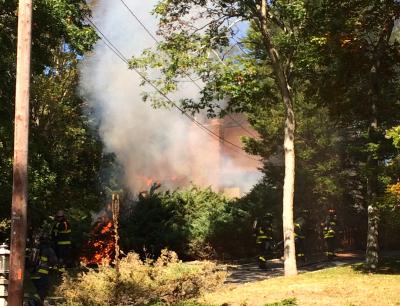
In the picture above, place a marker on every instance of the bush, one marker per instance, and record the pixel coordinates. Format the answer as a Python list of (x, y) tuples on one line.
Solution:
[(197, 223), (233, 235), (181, 220), (166, 280), (286, 302)]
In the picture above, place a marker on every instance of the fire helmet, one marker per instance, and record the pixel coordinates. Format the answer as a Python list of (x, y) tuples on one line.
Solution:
[(268, 217)]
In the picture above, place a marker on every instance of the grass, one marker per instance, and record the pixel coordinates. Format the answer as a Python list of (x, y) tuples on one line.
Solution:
[(346, 285)]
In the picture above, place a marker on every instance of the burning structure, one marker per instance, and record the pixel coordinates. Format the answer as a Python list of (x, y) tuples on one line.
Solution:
[(227, 168)]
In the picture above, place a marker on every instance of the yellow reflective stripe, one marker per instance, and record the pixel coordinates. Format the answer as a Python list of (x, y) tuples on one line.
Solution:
[(35, 277), (43, 271), (63, 242), (65, 232), (43, 258), (262, 258)]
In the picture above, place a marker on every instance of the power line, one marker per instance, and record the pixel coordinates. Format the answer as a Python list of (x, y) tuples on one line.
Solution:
[(108, 43), (119, 54), (140, 22), (190, 78)]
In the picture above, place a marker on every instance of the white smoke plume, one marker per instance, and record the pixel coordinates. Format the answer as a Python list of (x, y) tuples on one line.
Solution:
[(151, 144)]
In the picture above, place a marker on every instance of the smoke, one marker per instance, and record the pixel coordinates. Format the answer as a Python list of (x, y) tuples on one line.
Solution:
[(151, 144)]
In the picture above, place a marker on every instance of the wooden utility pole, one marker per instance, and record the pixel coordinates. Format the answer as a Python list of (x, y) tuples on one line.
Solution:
[(20, 163)]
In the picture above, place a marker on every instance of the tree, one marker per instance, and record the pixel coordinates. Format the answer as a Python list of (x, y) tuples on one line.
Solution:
[(67, 175), (59, 38), (358, 79), (197, 38)]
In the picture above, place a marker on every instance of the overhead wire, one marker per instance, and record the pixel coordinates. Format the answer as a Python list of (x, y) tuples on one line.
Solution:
[(189, 77), (122, 57)]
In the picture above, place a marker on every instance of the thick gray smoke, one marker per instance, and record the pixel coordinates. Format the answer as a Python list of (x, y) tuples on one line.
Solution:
[(151, 144)]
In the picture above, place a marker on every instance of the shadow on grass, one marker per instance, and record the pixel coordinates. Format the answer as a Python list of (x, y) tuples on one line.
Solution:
[(388, 265)]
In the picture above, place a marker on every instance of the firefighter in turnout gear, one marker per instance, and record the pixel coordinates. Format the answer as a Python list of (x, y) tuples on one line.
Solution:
[(329, 233), (60, 234), (41, 262), (264, 240)]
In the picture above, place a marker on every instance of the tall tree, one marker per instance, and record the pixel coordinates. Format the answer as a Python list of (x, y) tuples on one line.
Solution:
[(359, 75), (56, 24), (197, 37), (67, 175)]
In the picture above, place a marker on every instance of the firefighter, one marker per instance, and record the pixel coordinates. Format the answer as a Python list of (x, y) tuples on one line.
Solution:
[(60, 234), (42, 261), (264, 240), (329, 233)]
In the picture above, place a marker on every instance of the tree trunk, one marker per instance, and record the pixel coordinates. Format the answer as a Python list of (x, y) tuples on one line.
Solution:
[(288, 187), (372, 256), (288, 196)]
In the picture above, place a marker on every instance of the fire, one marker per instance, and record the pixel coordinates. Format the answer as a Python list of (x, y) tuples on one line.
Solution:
[(106, 228), (145, 181), (101, 245), (149, 182)]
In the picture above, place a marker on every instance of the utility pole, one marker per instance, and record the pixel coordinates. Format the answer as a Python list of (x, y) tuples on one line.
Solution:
[(20, 162)]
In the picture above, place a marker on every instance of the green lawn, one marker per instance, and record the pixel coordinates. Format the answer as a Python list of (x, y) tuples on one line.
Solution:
[(334, 286)]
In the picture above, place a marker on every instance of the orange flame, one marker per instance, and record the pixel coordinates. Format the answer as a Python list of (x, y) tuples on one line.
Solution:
[(146, 180), (106, 228), (149, 182), (101, 246)]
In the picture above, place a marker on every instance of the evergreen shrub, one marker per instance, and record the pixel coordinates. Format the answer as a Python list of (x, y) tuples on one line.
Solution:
[(196, 223)]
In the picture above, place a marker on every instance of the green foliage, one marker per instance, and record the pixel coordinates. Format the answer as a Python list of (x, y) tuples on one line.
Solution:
[(184, 303), (394, 135), (67, 175), (239, 72), (64, 155), (5, 225), (181, 220), (198, 223), (358, 80), (166, 280), (213, 52), (355, 76), (285, 302)]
